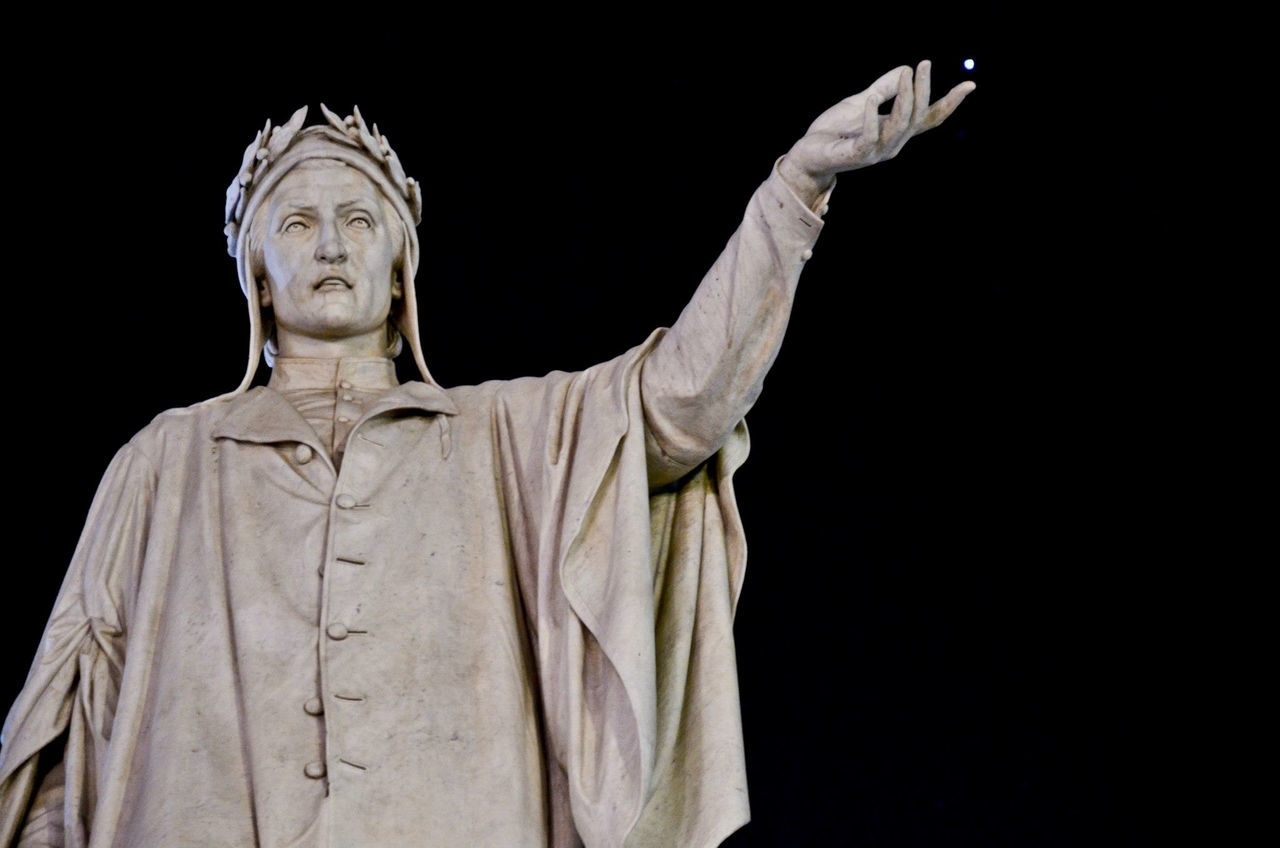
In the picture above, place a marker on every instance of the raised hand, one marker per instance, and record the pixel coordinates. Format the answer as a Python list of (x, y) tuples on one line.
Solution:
[(853, 134)]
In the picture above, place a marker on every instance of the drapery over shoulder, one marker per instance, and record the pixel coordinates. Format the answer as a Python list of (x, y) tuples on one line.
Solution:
[(636, 589), (634, 595), (75, 680)]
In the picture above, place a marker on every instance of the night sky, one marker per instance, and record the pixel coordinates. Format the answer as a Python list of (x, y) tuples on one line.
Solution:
[(955, 629)]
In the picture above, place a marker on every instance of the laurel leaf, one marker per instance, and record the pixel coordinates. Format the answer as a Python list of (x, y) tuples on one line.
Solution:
[(396, 172), (231, 231), (415, 200), (249, 153), (283, 135), (233, 198), (333, 119), (367, 140)]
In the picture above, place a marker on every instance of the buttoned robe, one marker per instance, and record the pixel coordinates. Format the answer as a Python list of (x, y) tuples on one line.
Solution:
[(506, 637)]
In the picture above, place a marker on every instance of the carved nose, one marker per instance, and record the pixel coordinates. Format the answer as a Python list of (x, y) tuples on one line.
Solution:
[(331, 248)]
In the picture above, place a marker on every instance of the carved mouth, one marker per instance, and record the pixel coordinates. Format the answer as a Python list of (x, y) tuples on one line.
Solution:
[(332, 283)]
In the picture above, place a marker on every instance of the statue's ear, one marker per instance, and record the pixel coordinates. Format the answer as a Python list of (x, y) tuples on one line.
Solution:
[(264, 294), (397, 284)]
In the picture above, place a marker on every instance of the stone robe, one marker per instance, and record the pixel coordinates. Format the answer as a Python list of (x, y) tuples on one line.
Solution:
[(505, 621)]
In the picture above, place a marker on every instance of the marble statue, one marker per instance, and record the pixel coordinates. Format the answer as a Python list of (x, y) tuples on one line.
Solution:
[(338, 610)]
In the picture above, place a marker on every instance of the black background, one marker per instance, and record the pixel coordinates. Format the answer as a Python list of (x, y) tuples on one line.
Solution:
[(955, 628)]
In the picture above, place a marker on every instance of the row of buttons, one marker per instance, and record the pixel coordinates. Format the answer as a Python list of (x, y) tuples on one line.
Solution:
[(337, 631), (347, 397), (305, 453), (314, 770)]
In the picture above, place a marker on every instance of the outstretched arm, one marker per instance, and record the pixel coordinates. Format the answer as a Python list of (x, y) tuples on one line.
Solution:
[(707, 371)]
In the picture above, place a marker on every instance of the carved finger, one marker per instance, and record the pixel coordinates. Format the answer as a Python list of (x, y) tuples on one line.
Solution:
[(837, 118), (922, 94), (887, 85), (939, 111), (895, 128), (871, 120)]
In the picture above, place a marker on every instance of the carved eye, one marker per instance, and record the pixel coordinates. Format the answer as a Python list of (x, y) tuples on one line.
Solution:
[(360, 223), (294, 227)]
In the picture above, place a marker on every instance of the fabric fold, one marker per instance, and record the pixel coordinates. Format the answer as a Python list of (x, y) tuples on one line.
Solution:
[(636, 641), (74, 683)]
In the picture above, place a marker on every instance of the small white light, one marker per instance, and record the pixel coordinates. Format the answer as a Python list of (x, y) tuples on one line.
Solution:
[(968, 64)]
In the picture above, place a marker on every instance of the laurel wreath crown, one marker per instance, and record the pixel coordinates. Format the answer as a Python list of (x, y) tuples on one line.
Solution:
[(271, 143)]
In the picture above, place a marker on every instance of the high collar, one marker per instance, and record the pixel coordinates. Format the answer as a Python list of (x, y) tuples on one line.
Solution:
[(363, 373)]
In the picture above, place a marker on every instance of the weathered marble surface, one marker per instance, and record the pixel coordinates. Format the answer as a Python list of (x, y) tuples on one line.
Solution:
[(500, 615)]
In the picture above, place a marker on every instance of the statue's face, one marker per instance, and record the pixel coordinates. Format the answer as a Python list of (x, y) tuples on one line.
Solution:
[(328, 254)]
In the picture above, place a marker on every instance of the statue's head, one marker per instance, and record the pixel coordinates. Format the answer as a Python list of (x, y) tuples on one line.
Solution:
[(322, 223)]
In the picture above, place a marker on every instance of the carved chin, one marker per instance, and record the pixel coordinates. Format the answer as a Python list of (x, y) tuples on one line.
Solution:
[(337, 323)]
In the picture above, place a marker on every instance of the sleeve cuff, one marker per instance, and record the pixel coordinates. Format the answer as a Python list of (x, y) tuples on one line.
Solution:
[(819, 207), (792, 223)]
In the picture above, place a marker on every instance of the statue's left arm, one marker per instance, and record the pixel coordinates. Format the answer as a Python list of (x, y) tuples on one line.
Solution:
[(705, 373)]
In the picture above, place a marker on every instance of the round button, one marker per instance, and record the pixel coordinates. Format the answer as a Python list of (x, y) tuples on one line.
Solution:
[(313, 706), (346, 384), (345, 501), (337, 631), (347, 397), (303, 454), (342, 419), (314, 770), (807, 255)]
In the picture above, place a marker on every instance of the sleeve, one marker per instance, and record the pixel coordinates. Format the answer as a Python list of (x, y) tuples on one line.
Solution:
[(631, 597), (56, 734), (708, 370)]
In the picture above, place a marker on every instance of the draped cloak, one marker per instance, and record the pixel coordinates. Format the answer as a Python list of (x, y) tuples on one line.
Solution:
[(515, 639)]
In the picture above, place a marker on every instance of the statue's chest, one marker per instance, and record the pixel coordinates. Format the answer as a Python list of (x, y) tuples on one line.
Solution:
[(398, 528), (373, 609)]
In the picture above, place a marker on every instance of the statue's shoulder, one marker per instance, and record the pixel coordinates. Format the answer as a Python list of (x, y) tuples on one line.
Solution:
[(556, 391), (179, 427), (509, 393), (484, 393), (206, 412)]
